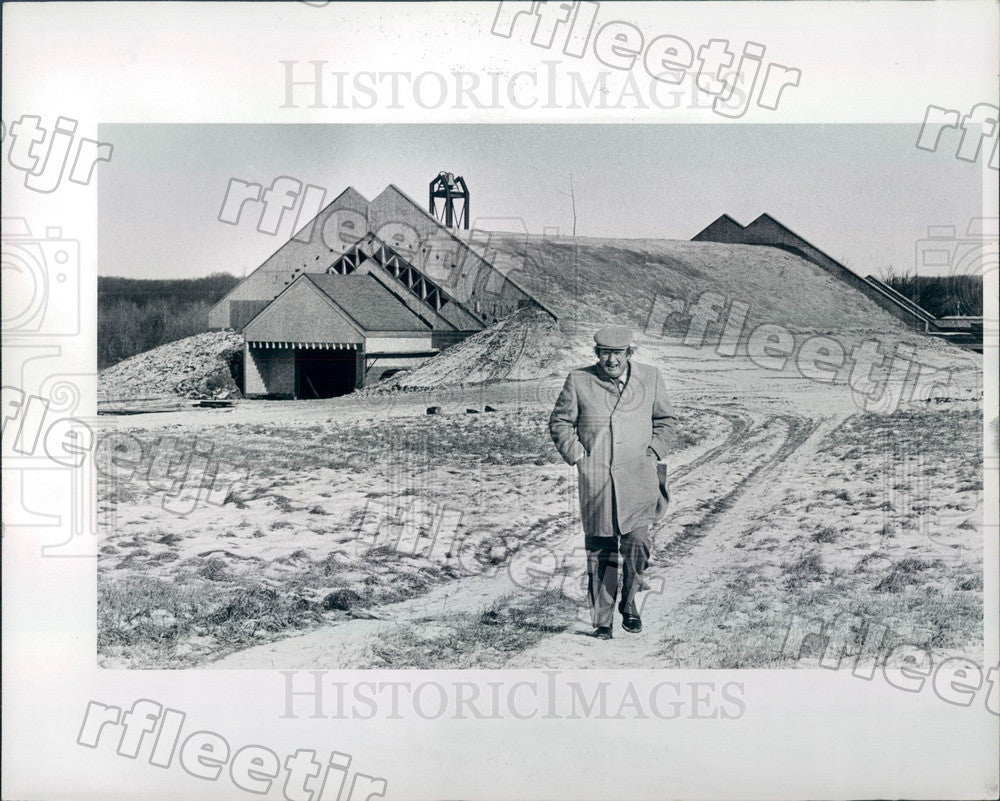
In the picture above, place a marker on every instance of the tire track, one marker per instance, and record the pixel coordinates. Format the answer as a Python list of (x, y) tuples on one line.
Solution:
[(799, 429), (690, 558), (741, 424), (687, 563)]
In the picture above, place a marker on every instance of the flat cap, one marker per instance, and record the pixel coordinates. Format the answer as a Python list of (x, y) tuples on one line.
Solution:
[(616, 338)]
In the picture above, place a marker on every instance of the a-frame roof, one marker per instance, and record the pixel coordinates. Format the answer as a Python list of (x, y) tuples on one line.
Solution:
[(367, 302)]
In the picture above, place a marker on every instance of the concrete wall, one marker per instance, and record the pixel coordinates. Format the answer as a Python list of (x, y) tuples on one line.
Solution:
[(376, 368), (445, 339), (269, 371), (242, 312)]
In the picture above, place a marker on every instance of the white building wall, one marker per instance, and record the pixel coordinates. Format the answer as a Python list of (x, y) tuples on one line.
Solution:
[(269, 371), (397, 344)]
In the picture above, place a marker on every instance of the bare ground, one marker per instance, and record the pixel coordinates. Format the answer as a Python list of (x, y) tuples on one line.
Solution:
[(788, 501)]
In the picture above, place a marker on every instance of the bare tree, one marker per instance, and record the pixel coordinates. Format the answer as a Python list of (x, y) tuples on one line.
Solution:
[(571, 194)]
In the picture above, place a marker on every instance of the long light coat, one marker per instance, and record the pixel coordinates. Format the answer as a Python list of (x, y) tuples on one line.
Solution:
[(606, 435)]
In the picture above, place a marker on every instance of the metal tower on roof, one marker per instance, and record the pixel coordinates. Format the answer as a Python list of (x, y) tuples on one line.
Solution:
[(450, 188)]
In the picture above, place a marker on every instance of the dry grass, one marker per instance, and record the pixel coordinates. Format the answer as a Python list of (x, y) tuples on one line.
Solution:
[(285, 553), (489, 639), (882, 523), (905, 550), (745, 625), (214, 606)]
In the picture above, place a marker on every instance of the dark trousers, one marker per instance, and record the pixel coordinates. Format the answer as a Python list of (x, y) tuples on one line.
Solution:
[(627, 554)]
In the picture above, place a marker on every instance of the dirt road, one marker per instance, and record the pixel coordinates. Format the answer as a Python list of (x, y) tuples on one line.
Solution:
[(718, 488)]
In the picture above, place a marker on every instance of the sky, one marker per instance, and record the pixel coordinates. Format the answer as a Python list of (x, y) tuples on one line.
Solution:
[(865, 194)]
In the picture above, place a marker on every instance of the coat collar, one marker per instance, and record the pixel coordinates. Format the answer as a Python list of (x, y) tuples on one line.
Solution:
[(604, 377)]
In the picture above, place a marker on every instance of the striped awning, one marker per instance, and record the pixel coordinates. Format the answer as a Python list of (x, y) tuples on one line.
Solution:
[(305, 345)]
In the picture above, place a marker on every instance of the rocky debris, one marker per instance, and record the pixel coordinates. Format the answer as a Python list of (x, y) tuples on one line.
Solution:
[(198, 367), (524, 345)]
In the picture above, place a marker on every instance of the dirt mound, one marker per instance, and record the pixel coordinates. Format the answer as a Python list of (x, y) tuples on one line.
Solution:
[(527, 344), (603, 279), (201, 366), (663, 289)]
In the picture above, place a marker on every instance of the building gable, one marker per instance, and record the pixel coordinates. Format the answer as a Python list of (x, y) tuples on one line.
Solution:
[(480, 293), (724, 229), (769, 232), (303, 313), (368, 303), (338, 227), (410, 284)]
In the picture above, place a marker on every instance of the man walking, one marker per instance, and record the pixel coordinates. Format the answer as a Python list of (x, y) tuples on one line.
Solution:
[(613, 421)]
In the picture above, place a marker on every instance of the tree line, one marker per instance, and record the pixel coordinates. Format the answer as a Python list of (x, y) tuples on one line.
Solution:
[(136, 315), (942, 295)]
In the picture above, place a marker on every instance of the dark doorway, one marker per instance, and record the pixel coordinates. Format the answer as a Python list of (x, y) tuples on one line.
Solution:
[(324, 373)]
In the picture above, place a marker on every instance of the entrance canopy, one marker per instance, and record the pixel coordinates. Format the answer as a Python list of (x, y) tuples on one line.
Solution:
[(304, 345)]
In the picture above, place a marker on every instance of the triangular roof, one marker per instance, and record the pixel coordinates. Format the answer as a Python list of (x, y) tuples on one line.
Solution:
[(367, 302), (419, 288), (349, 198), (307, 252)]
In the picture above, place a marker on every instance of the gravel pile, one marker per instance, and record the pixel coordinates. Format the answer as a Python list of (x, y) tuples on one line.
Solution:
[(197, 367)]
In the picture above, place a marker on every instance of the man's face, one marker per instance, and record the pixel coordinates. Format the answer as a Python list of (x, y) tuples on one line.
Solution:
[(613, 362)]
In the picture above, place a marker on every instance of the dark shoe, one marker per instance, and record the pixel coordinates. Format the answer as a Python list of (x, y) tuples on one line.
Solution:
[(603, 633), (632, 624)]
